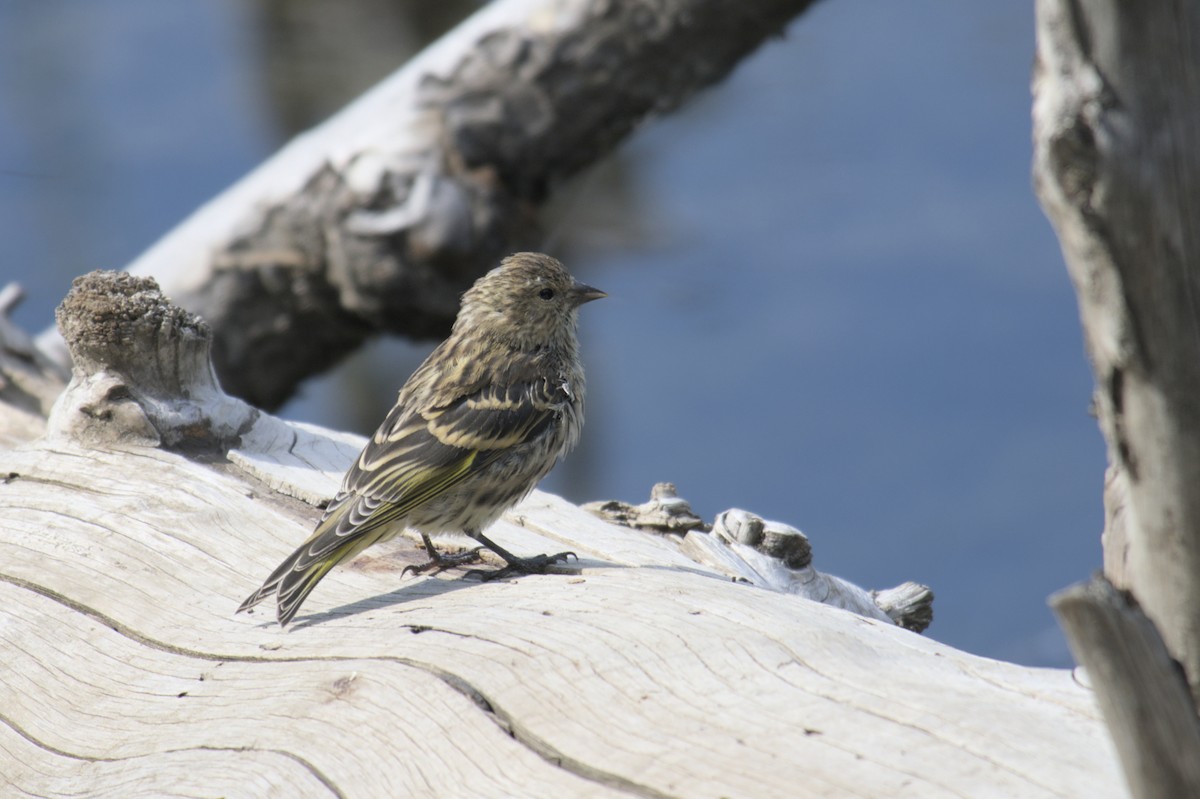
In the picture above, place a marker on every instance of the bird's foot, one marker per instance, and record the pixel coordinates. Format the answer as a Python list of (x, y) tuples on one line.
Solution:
[(538, 564), (439, 562)]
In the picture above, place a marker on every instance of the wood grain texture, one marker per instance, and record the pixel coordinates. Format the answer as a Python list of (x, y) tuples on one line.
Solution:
[(639, 675), (33, 770)]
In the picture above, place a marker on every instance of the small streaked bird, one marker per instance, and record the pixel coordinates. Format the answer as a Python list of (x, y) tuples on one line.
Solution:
[(478, 424)]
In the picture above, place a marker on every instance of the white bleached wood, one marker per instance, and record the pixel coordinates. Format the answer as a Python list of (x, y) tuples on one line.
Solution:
[(622, 680), (296, 459), (756, 568), (31, 770), (377, 725), (743, 546)]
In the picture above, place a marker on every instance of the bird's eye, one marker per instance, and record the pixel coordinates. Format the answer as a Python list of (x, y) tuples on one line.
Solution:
[(546, 294)]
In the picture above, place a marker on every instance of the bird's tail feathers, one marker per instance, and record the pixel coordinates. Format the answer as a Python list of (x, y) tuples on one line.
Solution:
[(271, 584), (298, 575), (262, 593)]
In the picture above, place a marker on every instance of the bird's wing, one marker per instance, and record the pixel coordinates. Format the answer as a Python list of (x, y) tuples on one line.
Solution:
[(420, 454), (417, 455), (411, 459)]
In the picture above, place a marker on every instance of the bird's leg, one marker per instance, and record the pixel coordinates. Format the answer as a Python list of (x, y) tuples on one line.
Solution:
[(515, 565), (439, 562)]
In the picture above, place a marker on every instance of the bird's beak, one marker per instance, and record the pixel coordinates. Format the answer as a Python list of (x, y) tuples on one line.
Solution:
[(582, 293)]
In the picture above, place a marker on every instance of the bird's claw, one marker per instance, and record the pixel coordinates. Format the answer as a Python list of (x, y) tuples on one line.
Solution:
[(439, 563), (538, 564)]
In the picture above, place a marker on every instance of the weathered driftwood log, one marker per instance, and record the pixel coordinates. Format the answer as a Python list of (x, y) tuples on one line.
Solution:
[(644, 673), (378, 219), (1141, 690)]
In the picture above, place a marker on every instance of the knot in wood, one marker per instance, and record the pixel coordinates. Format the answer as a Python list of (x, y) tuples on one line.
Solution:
[(142, 372)]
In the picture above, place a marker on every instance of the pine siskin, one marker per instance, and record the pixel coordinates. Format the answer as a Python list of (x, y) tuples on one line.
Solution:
[(478, 424)]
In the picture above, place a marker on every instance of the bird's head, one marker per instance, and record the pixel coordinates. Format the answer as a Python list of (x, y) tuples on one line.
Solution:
[(528, 302)]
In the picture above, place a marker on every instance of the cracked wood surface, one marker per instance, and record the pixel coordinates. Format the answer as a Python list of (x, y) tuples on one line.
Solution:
[(125, 672)]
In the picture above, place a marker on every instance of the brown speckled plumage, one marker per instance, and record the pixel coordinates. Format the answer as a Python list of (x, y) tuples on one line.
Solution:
[(474, 429)]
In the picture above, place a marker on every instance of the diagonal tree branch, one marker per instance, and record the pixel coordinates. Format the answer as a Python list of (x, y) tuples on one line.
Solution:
[(376, 220)]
